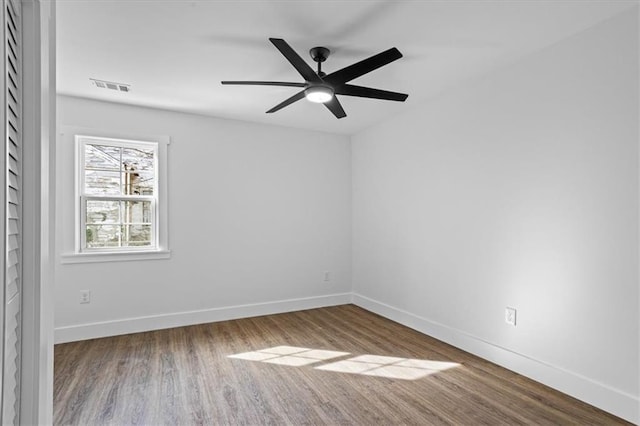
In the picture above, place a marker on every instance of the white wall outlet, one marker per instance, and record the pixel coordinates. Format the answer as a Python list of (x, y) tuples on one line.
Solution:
[(85, 296), (510, 316), (327, 276)]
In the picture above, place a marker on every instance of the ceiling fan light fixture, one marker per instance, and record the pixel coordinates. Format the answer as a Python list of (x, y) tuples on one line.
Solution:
[(319, 94)]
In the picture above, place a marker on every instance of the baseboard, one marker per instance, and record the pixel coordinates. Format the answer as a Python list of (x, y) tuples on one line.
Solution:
[(179, 319), (597, 394)]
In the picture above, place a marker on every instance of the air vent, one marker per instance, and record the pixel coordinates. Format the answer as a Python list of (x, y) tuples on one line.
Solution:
[(120, 87)]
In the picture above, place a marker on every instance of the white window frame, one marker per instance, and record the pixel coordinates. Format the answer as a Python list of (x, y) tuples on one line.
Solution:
[(160, 250), (81, 236)]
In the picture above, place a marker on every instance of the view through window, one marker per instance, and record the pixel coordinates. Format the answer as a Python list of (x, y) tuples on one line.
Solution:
[(118, 194)]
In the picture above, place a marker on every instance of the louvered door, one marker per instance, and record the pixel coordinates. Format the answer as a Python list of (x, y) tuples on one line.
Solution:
[(12, 256)]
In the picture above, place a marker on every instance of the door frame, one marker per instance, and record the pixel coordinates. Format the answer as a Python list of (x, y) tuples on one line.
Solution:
[(39, 130)]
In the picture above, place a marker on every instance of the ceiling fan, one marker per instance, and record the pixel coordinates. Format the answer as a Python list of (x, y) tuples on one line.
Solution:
[(320, 87)]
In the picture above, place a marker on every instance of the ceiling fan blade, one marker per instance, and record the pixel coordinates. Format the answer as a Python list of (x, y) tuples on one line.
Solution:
[(367, 92), (360, 68), (298, 63), (286, 102), (265, 83), (335, 107)]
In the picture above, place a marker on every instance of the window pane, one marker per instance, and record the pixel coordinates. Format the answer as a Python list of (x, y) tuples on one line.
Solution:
[(136, 235), (103, 236), (137, 159), (102, 157), (139, 176), (99, 182), (99, 212), (137, 212), (138, 183)]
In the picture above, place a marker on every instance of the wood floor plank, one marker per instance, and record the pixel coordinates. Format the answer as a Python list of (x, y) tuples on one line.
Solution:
[(199, 375)]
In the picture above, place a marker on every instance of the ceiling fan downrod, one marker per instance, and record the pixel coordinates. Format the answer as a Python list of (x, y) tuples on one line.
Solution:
[(319, 54)]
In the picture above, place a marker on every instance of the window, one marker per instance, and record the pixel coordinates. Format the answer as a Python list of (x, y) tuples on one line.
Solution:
[(117, 190), (113, 196)]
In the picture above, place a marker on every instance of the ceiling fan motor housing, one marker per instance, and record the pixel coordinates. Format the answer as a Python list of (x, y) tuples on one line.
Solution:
[(319, 54)]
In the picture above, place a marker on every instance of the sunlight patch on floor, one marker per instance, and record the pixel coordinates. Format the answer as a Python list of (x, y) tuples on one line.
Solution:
[(368, 365), (289, 355), (388, 366)]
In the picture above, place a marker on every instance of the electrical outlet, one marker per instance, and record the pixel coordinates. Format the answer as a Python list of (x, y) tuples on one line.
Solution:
[(85, 296), (510, 316), (327, 276)]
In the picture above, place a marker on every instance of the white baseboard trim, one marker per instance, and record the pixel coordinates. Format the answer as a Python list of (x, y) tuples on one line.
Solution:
[(156, 322), (583, 388)]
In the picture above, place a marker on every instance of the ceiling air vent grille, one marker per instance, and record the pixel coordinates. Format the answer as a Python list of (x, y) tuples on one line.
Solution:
[(120, 87)]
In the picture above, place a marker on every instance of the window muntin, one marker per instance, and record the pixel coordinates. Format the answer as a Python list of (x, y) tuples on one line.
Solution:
[(117, 190)]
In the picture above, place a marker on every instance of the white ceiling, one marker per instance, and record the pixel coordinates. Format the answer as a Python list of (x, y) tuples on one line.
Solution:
[(175, 53)]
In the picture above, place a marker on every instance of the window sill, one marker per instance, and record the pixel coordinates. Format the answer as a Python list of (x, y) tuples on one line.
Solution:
[(114, 256)]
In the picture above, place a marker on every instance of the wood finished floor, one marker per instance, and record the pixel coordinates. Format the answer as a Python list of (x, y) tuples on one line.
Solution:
[(185, 376)]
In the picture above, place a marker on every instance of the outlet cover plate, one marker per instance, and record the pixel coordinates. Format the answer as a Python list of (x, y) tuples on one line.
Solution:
[(510, 316)]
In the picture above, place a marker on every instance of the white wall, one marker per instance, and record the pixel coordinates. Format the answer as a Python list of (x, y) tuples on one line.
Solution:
[(256, 214), (519, 189)]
